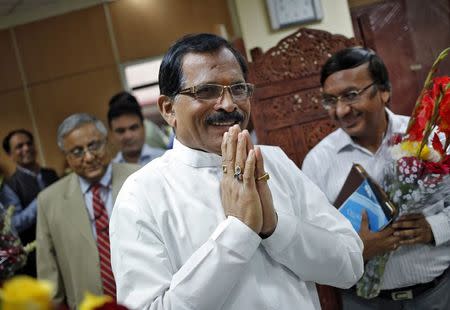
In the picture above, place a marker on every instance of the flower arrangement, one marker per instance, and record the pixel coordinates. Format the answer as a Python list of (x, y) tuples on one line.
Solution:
[(13, 255), (417, 178), (419, 173), (26, 293)]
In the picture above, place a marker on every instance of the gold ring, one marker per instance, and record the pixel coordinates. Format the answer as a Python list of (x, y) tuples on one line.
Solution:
[(264, 177), (224, 169)]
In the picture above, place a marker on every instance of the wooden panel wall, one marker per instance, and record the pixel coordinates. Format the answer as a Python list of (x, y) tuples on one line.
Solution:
[(69, 63), (356, 3), (145, 28), (9, 73), (13, 107), (73, 43)]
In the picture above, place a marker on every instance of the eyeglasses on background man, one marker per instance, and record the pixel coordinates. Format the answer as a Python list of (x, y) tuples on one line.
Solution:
[(353, 96)]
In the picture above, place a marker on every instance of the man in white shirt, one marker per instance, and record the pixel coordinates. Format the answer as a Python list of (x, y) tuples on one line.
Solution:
[(202, 227), (356, 90), (126, 122)]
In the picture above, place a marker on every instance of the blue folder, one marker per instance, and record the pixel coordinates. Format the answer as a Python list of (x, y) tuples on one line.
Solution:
[(363, 198)]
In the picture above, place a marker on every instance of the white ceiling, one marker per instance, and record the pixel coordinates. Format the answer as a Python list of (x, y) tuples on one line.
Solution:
[(16, 12)]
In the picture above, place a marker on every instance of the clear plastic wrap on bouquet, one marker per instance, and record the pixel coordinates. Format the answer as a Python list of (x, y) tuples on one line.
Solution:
[(13, 255), (417, 173), (414, 184)]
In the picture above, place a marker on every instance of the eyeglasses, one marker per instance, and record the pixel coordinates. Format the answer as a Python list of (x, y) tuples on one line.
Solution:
[(95, 148), (239, 92), (353, 96)]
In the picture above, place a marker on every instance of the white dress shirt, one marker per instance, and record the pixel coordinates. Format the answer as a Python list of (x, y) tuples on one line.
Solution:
[(148, 153), (172, 247), (328, 165)]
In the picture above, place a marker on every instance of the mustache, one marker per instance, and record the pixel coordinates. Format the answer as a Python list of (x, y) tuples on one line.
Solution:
[(221, 116)]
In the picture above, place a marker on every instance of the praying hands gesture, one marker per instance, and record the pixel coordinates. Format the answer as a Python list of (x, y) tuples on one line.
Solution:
[(244, 190)]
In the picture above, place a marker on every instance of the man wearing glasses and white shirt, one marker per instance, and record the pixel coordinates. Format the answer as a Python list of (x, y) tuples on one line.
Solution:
[(203, 227), (356, 90), (73, 214)]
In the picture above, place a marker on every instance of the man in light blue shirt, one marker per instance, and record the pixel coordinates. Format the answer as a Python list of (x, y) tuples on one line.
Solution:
[(125, 120), (22, 188), (23, 218)]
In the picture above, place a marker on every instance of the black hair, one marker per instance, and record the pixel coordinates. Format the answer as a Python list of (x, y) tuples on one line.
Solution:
[(7, 139), (356, 56), (171, 71), (123, 103)]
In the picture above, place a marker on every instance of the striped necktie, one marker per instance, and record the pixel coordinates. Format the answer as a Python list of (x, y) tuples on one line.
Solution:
[(102, 229)]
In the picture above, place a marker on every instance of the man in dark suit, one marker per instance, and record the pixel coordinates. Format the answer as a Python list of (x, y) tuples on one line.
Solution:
[(26, 183), (73, 214)]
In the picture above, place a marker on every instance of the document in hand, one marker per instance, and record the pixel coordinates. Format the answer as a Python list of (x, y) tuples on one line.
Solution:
[(360, 192)]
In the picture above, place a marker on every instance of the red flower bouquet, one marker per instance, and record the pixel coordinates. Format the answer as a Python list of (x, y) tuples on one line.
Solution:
[(419, 174), (417, 178)]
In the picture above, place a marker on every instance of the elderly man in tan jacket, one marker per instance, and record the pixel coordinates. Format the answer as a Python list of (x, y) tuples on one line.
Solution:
[(73, 214)]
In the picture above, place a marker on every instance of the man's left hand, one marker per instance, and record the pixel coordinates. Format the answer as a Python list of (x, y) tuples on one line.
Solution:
[(413, 229)]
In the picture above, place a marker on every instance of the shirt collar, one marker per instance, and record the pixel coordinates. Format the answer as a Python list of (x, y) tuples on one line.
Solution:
[(105, 181), (344, 140), (27, 171), (146, 152), (119, 158), (195, 158)]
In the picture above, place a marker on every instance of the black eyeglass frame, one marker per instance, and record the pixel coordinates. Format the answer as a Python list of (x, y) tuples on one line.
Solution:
[(345, 98), (193, 91)]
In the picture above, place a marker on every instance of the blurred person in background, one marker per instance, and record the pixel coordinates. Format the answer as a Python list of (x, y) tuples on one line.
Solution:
[(22, 188), (126, 123)]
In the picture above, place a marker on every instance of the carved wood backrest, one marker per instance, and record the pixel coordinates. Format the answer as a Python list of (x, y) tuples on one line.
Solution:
[(286, 109)]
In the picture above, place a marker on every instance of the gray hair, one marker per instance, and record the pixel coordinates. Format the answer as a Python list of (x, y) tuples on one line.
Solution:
[(75, 121)]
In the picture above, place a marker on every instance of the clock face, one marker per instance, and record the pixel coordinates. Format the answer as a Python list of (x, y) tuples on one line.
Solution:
[(287, 12)]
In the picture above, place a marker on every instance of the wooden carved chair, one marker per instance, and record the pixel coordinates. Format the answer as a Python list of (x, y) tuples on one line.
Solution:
[(286, 109)]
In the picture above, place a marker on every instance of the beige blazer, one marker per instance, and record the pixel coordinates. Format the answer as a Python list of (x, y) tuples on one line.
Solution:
[(67, 252)]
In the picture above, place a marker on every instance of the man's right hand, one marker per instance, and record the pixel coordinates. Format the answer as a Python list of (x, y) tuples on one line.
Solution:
[(240, 197), (376, 243)]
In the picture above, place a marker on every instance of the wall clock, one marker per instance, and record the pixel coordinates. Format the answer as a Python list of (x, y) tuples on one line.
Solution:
[(284, 13)]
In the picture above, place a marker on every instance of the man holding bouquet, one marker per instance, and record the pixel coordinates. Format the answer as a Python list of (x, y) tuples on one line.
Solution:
[(356, 91)]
